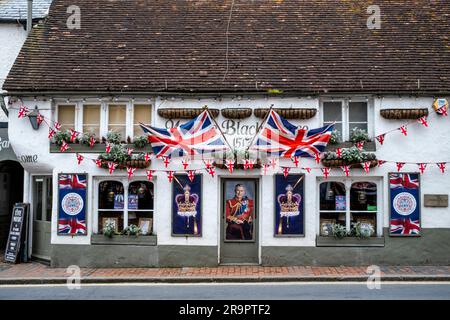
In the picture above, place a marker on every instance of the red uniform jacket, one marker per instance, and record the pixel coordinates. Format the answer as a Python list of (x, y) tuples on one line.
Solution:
[(234, 207)]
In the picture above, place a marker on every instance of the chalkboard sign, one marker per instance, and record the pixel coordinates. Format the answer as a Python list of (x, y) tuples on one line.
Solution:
[(17, 232)]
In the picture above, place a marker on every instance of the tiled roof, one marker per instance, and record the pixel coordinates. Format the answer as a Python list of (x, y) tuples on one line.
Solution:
[(289, 45), (17, 9)]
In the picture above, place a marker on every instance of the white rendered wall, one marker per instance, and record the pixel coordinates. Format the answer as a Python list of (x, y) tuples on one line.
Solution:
[(422, 144), (12, 37)]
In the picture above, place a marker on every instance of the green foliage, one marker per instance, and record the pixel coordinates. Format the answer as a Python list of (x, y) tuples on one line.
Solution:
[(352, 155), (109, 230), (61, 136), (362, 230), (140, 142), (335, 137), (132, 230), (86, 137), (338, 230), (117, 154), (359, 135), (113, 137)]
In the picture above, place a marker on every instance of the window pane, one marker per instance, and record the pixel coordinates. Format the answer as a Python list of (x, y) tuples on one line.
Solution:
[(91, 119), (38, 187), (110, 196), (142, 113), (117, 119), (140, 197), (66, 117), (357, 112), (363, 196), (338, 127), (332, 111), (332, 196)]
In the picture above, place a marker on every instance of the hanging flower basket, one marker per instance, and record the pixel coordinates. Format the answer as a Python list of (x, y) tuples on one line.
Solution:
[(404, 113), (341, 162), (288, 113), (236, 113), (184, 113), (138, 164)]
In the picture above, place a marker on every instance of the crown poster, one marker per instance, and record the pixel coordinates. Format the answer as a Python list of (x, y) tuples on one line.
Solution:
[(186, 205), (289, 216)]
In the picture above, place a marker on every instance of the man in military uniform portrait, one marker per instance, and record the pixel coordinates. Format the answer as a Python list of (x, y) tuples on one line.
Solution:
[(239, 215)]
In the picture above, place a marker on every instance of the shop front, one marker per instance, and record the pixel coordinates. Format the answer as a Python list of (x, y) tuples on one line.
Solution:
[(11, 183), (111, 202)]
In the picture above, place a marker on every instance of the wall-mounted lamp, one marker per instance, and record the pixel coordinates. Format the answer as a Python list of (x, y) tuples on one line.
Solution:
[(33, 115)]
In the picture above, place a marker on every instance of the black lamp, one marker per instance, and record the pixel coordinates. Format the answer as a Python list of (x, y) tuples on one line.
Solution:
[(33, 115)]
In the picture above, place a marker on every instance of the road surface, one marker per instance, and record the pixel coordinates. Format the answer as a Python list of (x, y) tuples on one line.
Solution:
[(223, 291)]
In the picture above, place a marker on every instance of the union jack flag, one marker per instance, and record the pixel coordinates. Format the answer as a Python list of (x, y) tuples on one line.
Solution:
[(72, 181), (405, 226), (403, 180), (198, 136), (72, 226), (279, 137)]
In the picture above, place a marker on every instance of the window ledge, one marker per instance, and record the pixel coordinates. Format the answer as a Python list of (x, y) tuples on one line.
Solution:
[(99, 239), (97, 148), (368, 146), (349, 242)]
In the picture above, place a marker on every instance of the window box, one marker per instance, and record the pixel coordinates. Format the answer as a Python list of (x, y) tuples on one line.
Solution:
[(288, 113), (184, 113), (322, 241), (368, 146), (236, 113), (97, 148), (138, 164), (99, 239), (410, 113), (341, 162)]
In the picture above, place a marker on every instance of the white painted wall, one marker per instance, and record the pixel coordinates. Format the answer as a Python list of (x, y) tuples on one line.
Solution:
[(12, 37), (422, 144)]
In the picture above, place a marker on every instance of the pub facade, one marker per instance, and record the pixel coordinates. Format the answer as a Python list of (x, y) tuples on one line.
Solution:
[(369, 186)]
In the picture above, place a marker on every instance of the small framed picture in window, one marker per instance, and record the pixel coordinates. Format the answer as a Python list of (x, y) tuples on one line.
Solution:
[(146, 226), (326, 226), (113, 222)]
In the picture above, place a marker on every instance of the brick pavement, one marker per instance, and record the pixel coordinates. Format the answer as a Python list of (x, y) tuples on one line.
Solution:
[(35, 272)]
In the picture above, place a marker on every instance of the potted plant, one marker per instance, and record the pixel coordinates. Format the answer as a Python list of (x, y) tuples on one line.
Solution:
[(61, 136), (113, 137), (335, 137), (109, 230), (338, 231), (349, 157), (362, 230), (359, 135), (140, 142), (132, 230)]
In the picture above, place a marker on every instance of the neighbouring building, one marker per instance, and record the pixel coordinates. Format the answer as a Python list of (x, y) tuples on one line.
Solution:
[(13, 21), (160, 62)]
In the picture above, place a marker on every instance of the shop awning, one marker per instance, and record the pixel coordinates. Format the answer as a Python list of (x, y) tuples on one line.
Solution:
[(6, 152)]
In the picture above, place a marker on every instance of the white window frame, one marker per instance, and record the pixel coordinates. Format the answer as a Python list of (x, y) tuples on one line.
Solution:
[(104, 113), (348, 183), (126, 184), (346, 114)]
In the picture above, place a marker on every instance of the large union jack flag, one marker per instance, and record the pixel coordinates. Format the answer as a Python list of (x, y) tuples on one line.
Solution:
[(279, 137), (72, 226), (403, 180), (72, 181), (198, 136), (405, 226)]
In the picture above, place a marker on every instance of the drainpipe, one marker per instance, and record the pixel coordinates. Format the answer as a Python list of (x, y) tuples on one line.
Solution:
[(3, 105), (30, 16)]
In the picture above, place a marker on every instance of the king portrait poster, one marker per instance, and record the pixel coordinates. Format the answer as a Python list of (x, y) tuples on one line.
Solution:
[(289, 197), (186, 205), (404, 204), (72, 204)]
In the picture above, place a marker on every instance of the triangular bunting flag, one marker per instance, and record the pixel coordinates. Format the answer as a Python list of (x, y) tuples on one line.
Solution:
[(422, 167), (150, 174), (399, 165), (346, 170)]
